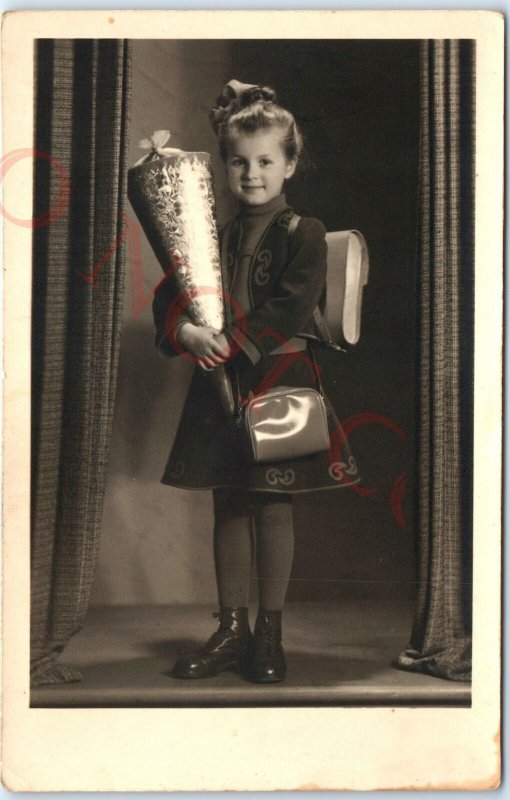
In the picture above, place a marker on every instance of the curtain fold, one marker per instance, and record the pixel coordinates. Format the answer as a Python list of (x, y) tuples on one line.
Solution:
[(81, 135), (440, 642)]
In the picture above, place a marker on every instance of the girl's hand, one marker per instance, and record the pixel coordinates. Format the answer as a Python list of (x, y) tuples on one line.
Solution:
[(224, 344), (203, 342)]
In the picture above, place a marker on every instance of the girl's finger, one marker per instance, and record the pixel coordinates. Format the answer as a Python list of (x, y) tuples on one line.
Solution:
[(201, 363), (209, 362), (216, 359), (219, 350)]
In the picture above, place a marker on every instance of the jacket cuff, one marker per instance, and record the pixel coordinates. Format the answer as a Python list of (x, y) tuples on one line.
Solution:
[(169, 343), (183, 320), (245, 344)]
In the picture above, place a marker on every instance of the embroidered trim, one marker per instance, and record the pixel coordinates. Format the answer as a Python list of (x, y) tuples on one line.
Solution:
[(262, 274), (338, 469), (276, 217), (283, 477)]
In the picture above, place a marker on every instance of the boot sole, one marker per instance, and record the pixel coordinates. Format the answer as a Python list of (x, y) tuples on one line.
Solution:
[(234, 667), (266, 680)]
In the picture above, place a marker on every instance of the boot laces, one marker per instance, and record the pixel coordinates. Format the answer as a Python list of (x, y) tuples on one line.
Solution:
[(214, 640), (218, 637), (270, 639), (225, 625)]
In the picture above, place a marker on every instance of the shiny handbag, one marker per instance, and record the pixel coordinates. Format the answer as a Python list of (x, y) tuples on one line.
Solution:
[(284, 423)]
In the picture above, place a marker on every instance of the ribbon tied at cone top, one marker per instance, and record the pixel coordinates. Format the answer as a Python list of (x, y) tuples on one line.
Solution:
[(156, 145)]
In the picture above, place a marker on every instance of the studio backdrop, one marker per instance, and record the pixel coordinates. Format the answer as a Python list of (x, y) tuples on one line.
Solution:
[(388, 130), (360, 170)]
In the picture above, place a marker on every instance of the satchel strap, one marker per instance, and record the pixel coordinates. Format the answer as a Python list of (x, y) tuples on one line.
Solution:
[(293, 223), (320, 387)]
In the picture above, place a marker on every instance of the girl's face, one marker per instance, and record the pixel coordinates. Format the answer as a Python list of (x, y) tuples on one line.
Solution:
[(257, 166)]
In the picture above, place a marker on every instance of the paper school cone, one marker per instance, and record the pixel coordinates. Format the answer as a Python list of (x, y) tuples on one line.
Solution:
[(173, 198)]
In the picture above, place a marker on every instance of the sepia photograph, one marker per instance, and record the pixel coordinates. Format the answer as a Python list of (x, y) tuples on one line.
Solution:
[(249, 344)]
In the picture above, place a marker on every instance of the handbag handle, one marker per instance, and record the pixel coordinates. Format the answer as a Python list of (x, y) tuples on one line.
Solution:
[(316, 369), (239, 405)]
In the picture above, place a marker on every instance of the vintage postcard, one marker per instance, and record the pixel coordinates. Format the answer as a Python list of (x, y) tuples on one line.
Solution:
[(253, 336)]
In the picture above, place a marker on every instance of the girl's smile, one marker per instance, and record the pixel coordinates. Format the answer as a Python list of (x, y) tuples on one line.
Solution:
[(257, 166)]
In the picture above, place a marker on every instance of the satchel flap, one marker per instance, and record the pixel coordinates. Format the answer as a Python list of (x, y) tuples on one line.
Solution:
[(347, 274)]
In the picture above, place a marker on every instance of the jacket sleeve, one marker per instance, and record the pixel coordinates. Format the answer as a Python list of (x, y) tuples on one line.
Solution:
[(295, 295), (167, 326)]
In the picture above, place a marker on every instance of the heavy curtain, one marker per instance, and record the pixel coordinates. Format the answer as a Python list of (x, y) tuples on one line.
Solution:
[(440, 641), (81, 138)]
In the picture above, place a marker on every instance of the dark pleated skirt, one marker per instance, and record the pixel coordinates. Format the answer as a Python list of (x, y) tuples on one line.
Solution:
[(209, 452)]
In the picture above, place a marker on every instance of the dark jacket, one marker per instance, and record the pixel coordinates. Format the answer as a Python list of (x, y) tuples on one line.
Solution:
[(286, 280)]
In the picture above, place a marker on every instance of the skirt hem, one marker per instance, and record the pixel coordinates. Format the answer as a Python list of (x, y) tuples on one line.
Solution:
[(286, 490)]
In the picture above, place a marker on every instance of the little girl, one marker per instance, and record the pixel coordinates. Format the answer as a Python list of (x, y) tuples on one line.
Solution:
[(276, 280)]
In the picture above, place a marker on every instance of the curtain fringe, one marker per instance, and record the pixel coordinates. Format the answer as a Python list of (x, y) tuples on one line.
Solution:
[(47, 670)]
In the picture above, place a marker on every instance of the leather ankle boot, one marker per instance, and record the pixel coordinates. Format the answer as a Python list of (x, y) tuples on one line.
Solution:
[(225, 649), (266, 659)]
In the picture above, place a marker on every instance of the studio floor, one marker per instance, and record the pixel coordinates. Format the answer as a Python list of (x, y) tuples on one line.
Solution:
[(339, 653)]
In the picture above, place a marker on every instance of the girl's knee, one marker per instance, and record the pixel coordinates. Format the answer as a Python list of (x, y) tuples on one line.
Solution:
[(230, 502)]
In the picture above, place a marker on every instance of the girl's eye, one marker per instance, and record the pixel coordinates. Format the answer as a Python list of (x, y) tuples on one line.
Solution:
[(237, 162), (265, 162)]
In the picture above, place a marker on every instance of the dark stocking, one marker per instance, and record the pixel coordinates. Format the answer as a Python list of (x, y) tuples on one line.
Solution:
[(275, 548), (232, 546)]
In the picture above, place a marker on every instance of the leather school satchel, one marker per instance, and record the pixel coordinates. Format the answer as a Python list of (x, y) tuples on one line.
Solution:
[(339, 322)]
